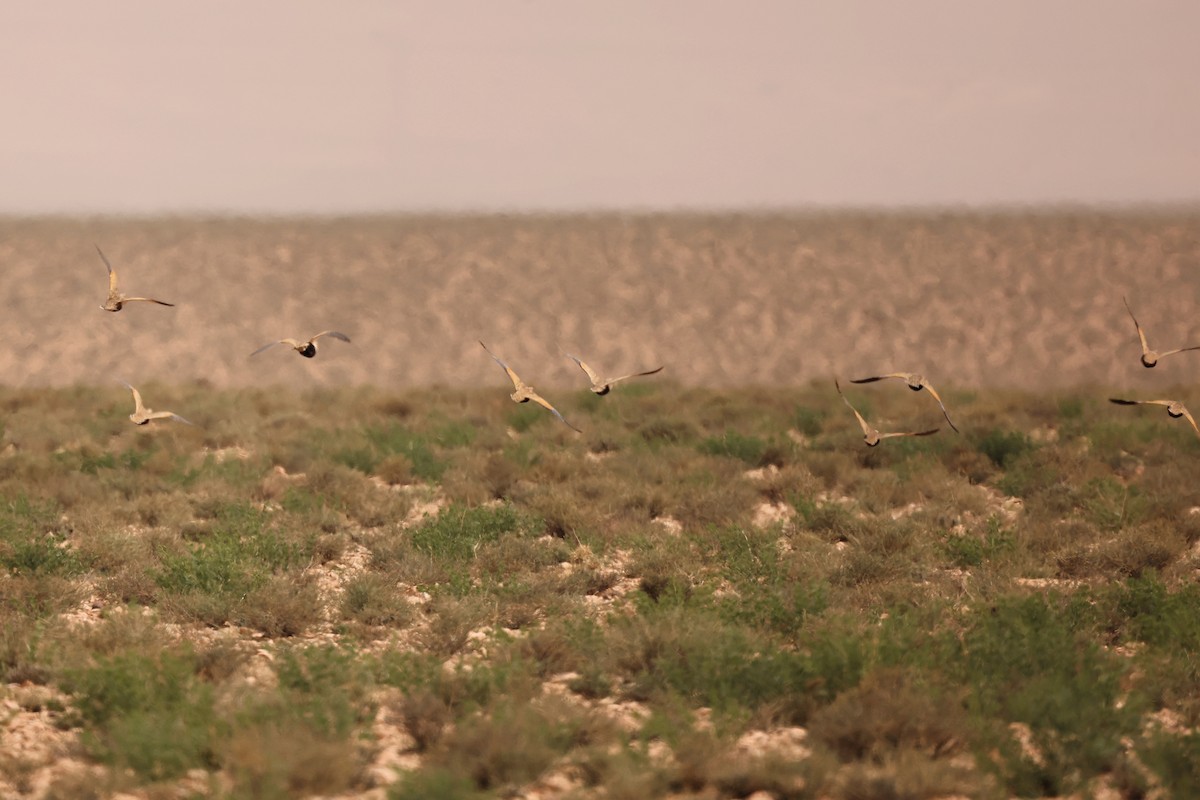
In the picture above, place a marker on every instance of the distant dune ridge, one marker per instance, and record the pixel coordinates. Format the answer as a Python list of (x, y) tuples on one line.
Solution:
[(971, 300)]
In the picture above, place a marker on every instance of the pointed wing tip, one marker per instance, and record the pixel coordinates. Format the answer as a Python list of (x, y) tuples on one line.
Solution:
[(341, 337), (103, 258)]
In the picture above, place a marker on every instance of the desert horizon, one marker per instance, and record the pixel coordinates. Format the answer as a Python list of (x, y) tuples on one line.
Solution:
[(1021, 299)]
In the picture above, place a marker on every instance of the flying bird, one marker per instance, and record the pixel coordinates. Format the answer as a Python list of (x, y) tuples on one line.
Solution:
[(871, 435), (603, 386), (307, 349), (916, 382), (1149, 357), (523, 393), (1174, 407), (115, 299), (142, 415)]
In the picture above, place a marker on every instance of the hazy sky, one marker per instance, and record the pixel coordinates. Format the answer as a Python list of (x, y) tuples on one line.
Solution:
[(167, 106)]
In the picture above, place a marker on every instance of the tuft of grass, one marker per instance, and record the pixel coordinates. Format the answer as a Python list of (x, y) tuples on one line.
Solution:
[(752, 450), (32, 542), (457, 533), (891, 710), (1003, 447), (969, 550)]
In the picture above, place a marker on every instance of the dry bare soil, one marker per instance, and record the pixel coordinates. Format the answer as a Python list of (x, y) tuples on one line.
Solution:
[(1018, 300)]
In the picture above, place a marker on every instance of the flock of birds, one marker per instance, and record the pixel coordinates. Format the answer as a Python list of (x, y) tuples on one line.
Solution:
[(916, 382), (524, 393)]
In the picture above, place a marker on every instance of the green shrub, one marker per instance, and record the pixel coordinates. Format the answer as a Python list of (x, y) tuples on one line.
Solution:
[(1004, 447), (435, 783), (754, 451), (1161, 618), (1175, 760), (31, 542), (457, 532), (1024, 664), (150, 713)]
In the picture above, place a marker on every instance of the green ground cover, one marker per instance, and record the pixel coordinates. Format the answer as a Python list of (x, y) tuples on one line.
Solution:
[(705, 594)]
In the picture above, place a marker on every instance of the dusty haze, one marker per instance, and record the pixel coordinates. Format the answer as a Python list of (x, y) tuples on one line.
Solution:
[(149, 106), (1028, 301)]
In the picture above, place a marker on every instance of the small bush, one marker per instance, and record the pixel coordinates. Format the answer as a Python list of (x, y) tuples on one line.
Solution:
[(1004, 447), (457, 532), (1026, 665), (752, 450), (890, 710), (149, 713), (372, 599)]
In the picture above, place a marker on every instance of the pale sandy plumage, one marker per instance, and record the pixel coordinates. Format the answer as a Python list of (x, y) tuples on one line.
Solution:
[(307, 348), (871, 434), (523, 392), (1175, 408), (1150, 357), (115, 299), (916, 382), (603, 386), (142, 415)]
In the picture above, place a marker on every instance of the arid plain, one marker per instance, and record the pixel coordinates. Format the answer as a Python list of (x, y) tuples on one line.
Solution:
[(369, 575), (1019, 300)]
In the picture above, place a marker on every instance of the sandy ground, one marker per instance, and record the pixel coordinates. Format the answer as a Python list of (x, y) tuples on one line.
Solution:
[(1017, 300)]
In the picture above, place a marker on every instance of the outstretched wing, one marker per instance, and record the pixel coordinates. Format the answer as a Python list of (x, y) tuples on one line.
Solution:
[(341, 337), (874, 378), (866, 429), (169, 415), (909, 433), (1188, 414), (1178, 350), (138, 408), (1142, 336), (512, 376), (112, 273), (634, 375), (146, 300), (1121, 402), (541, 401), (591, 373), (940, 404), (267, 346)]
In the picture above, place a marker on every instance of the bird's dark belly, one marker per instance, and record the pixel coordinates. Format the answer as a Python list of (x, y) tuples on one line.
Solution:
[(309, 351), (604, 391)]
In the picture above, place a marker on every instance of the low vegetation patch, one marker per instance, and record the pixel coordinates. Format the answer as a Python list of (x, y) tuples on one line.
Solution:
[(465, 599)]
